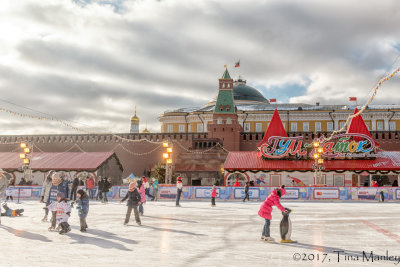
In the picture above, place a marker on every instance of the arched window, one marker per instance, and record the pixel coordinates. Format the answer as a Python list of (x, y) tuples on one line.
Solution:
[(227, 107), (223, 85), (221, 107), (228, 121), (219, 121)]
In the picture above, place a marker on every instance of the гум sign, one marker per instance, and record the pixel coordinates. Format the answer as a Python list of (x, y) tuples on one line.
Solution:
[(341, 145)]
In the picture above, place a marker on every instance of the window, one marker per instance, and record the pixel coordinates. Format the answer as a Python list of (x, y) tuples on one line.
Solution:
[(258, 127), (181, 128), (329, 126), (293, 126), (189, 128), (318, 126), (228, 121), (223, 85), (246, 127), (338, 180), (227, 107), (170, 128), (221, 107), (284, 125), (199, 128), (219, 121), (306, 126), (341, 124), (392, 126), (379, 125)]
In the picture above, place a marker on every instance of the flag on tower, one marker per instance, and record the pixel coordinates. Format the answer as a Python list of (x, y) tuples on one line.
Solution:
[(352, 98), (237, 64)]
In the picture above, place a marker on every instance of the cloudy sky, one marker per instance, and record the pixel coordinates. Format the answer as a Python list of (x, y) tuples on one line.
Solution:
[(91, 62)]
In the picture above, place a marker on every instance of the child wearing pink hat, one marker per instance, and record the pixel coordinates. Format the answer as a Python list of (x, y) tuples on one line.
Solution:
[(266, 210)]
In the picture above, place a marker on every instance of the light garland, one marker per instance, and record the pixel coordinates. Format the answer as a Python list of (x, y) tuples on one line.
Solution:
[(363, 108)]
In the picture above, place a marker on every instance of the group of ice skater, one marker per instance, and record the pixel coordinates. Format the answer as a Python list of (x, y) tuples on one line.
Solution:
[(55, 196)]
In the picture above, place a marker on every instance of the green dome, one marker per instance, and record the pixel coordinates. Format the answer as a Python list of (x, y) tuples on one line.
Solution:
[(244, 92)]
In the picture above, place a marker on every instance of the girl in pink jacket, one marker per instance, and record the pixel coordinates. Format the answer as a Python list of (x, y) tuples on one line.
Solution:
[(142, 192), (266, 209)]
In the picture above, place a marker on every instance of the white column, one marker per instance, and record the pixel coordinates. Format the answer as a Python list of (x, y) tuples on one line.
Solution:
[(370, 180), (373, 126), (386, 125), (336, 122), (358, 180)]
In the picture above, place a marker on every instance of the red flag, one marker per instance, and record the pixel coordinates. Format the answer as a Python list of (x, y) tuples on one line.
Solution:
[(237, 64), (272, 100), (352, 98)]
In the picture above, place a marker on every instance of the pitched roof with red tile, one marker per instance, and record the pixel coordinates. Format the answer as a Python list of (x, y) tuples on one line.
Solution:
[(249, 160), (78, 161)]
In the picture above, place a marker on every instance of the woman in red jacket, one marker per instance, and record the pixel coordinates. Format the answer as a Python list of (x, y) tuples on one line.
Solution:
[(266, 209), (213, 195)]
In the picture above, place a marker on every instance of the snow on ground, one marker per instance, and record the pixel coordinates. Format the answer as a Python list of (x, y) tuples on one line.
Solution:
[(197, 234)]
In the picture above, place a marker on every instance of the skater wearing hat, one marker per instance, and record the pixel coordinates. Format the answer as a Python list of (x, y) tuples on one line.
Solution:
[(178, 190), (266, 210), (82, 205), (134, 198), (213, 195), (63, 210), (57, 187)]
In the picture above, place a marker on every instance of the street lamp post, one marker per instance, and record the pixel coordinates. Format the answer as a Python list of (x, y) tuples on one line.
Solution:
[(167, 156), (318, 165)]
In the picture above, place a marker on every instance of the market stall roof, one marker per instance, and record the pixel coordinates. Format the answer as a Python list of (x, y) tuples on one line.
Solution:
[(79, 161), (249, 160)]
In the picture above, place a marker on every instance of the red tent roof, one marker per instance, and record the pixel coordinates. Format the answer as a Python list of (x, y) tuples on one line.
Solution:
[(249, 160), (275, 128), (357, 125), (89, 161)]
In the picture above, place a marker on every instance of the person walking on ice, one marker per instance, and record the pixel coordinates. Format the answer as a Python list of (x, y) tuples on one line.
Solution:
[(266, 210), (178, 190), (134, 198), (83, 208), (246, 192), (213, 195)]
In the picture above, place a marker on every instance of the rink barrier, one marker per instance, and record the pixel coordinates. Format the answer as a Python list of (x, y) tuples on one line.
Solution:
[(237, 193)]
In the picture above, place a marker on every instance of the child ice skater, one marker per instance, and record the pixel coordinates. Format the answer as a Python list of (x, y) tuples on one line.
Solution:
[(213, 195), (63, 211), (266, 209), (82, 205), (10, 212), (134, 198)]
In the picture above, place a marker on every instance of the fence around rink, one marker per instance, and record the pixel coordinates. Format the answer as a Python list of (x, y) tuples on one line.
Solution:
[(237, 193)]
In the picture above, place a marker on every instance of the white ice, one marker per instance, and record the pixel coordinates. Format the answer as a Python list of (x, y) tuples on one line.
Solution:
[(197, 234)]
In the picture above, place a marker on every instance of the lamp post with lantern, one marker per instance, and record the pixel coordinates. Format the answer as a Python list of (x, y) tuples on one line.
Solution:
[(318, 165), (167, 156)]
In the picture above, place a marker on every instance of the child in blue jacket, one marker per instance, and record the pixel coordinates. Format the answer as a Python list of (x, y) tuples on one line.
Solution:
[(83, 208)]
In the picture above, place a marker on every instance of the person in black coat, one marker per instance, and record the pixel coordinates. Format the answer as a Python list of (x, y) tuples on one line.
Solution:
[(99, 189), (106, 186), (246, 192), (133, 202), (75, 184)]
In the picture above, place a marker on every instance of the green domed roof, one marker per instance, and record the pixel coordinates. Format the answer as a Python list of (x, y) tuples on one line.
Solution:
[(242, 91)]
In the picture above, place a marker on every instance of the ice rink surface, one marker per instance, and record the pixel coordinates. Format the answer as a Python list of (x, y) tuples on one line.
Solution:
[(197, 234)]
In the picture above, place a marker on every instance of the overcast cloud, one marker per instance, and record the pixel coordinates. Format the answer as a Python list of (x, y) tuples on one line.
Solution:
[(91, 62)]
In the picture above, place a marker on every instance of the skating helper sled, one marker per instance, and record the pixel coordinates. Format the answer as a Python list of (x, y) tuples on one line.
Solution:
[(286, 227)]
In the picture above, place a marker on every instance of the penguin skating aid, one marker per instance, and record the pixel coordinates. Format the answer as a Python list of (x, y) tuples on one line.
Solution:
[(286, 227)]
